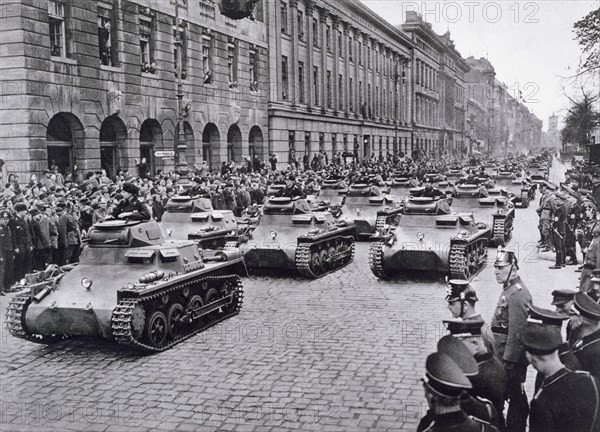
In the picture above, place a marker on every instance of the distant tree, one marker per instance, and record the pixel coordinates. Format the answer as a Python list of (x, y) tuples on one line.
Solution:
[(581, 119), (587, 34)]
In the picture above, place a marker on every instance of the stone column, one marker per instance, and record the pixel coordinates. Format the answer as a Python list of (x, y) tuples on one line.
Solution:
[(336, 61), (310, 49), (346, 68), (323, 15), (293, 72)]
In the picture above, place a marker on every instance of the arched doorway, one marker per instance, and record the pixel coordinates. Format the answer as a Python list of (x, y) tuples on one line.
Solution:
[(63, 133), (255, 144), (113, 135), (150, 139), (234, 144), (210, 142), (190, 152)]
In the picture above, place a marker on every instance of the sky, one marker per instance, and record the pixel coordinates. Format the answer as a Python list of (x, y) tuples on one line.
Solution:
[(530, 43)]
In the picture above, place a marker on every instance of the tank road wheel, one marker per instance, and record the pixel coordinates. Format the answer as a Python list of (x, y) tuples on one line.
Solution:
[(211, 296), (157, 329), (325, 261), (376, 260), (459, 265), (235, 288), (195, 302), (315, 263), (331, 252), (176, 311)]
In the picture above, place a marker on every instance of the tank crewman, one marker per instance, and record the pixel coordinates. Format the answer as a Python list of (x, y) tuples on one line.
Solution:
[(491, 381), (131, 207), (444, 382), (7, 253), (566, 400), (23, 241), (563, 301), (292, 188), (587, 347), (509, 319), (559, 229)]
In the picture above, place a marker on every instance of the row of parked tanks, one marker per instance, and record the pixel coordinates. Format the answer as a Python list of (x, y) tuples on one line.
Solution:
[(151, 285)]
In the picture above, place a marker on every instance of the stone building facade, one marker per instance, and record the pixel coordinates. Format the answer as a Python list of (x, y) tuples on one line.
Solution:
[(340, 81), (92, 84)]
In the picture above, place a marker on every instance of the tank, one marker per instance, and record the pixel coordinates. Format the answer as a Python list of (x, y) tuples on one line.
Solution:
[(332, 196), (290, 236), (430, 239), (496, 206), (131, 286), (369, 209), (523, 190), (193, 218), (538, 172)]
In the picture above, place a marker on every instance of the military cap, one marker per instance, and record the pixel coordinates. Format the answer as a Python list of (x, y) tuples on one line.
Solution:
[(539, 315), (587, 307), (131, 188), (34, 211), (540, 339), (463, 328), (4, 214), (20, 207), (560, 297), (505, 257), (444, 377), (458, 352), (459, 289)]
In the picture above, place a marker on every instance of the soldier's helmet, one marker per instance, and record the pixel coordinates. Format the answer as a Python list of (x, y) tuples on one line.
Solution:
[(505, 257), (460, 290)]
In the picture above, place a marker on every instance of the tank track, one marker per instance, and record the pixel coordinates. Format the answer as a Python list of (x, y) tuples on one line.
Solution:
[(231, 245), (459, 265), (525, 199), (123, 315), (382, 221), (376, 260), (304, 254), (15, 321), (501, 231)]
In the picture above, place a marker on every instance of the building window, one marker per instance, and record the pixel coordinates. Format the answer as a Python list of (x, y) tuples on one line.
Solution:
[(300, 18), (284, 18), (56, 17), (369, 65), (146, 24), (106, 40), (292, 140), (351, 94), (360, 52), (232, 63), (350, 49), (253, 54), (328, 37), (340, 44), (333, 144), (307, 143), (315, 32), (328, 83), (360, 93), (301, 82), (316, 84), (340, 92), (321, 141), (284, 78), (207, 59)]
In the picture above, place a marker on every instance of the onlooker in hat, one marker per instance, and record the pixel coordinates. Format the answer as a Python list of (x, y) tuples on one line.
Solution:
[(23, 241), (566, 400), (43, 245), (509, 319), (131, 207), (587, 346), (7, 253), (491, 381), (444, 383)]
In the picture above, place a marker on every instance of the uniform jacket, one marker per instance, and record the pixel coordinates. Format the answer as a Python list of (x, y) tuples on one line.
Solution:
[(138, 209), (454, 422), (41, 228), (490, 383), (7, 246), (587, 350), (53, 229), (511, 314), (22, 235), (560, 218), (567, 401)]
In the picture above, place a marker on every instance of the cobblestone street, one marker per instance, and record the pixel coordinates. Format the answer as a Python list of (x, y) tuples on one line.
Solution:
[(342, 353)]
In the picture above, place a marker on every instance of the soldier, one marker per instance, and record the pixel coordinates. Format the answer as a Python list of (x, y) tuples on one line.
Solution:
[(559, 229), (574, 216), (591, 261), (461, 298), (509, 319), (563, 301), (587, 347), (444, 382), (544, 211), (131, 207), (7, 253), (566, 400), (23, 242), (41, 226), (491, 381)]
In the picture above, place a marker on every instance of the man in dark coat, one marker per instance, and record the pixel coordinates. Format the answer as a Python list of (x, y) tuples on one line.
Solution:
[(587, 346), (7, 253), (23, 241), (559, 229), (131, 207)]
